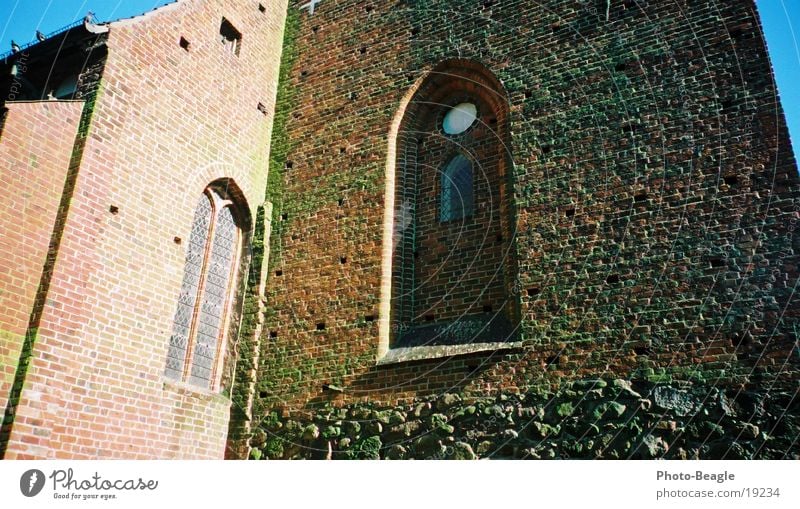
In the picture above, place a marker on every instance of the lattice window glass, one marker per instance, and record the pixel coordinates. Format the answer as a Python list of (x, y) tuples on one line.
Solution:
[(215, 298), (457, 196), (184, 314), (200, 317)]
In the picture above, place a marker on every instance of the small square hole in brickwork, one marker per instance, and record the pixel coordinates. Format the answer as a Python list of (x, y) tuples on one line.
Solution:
[(621, 66), (362, 50), (273, 334), (498, 238), (303, 74), (184, 43), (731, 180), (341, 202), (553, 359), (533, 292), (488, 3), (342, 150), (321, 326), (113, 209), (369, 318), (289, 165), (640, 197), (278, 272), (717, 262), (261, 8), (284, 217), (493, 121), (368, 8), (352, 96), (429, 318), (315, 29), (546, 149), (487, 308), (343, 260), (230, 38), (641, 350), (415, 31), (569, 212), (612, 279), (263, 394), (726, 106)]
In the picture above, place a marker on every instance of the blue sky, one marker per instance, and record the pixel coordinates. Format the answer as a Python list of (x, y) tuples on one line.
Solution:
[(19, 20)]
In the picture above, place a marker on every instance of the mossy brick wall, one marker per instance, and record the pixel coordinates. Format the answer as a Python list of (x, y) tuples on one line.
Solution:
[(655, 196), (167, 122)]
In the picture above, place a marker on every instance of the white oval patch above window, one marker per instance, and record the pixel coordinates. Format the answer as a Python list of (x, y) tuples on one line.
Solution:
[(459, 118)]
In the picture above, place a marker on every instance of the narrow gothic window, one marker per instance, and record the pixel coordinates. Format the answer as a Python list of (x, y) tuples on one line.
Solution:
[(198, 330), (452, 259)]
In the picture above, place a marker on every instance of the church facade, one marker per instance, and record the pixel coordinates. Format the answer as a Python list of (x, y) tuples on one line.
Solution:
[(407, 229)]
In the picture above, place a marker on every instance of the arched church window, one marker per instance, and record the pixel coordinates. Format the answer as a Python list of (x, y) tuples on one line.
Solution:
[(452, 256), (205, 300)]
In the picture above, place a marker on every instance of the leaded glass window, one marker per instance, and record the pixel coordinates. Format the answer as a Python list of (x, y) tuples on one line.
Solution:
[(201, 314), (456, 196)]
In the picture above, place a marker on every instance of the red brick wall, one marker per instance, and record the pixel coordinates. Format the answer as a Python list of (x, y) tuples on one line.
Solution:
[(167, 122), (654, 187), (35, 147)]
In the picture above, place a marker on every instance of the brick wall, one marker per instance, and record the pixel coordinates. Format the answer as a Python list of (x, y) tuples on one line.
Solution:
[(36, 144), (167, 122), (654, 191)]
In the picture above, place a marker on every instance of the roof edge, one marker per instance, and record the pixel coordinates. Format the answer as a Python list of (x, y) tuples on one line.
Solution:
[(122, 22)]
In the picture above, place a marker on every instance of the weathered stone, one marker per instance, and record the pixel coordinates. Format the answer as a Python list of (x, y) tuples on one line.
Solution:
[(422, 410), (396, 418), (368, 448), (396, 452), (428, 446), (624, 388), (447, 400), (373, 428), (609, 410), (748, 431), (587, 385), (360, 413), (565, 409), (653, 447), (462, 451), (677, 401), (311, 432), (331, 432), (485, 447), (351, 428)]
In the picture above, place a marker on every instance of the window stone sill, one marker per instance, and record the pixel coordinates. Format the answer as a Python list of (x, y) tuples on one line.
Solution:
[(185, 389), (419, 353)]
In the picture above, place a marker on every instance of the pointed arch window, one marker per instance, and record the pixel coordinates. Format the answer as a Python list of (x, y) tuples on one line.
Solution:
[(451, 238), (204, 305), (457, 196)]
